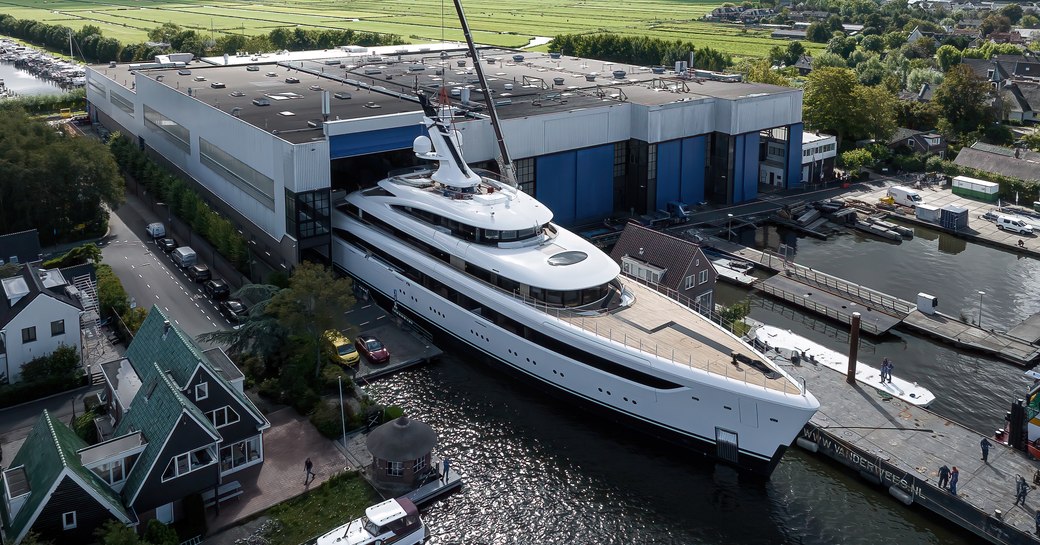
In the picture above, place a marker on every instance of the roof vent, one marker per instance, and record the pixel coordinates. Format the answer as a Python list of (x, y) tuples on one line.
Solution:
[(619, 74), (518, 58), (590, 77), (555, 54), (165, 329), (461, 62), (372, 105), (558, 81)]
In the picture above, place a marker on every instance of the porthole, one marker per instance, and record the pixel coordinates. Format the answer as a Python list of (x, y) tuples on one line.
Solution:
[(695, 398), (625, 398), (774, 420), (727, 407)]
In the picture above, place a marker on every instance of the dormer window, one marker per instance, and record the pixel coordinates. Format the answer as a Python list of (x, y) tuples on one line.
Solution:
[(201, 391)]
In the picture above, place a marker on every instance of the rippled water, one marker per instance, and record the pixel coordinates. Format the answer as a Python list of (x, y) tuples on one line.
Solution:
[(537, 470), (25, 83)]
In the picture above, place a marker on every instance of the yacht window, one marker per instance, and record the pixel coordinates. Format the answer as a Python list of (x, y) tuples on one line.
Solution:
[(571, 298), (554, 297)]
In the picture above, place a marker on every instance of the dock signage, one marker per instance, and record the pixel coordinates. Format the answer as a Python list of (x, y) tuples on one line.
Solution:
[(867, 464)]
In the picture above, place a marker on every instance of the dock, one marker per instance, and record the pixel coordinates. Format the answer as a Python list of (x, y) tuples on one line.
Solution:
[(837, 299), (899, 447), (408, 343), (1029, 330)]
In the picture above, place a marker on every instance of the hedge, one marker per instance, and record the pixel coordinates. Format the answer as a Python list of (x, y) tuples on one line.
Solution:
[(22, 392)]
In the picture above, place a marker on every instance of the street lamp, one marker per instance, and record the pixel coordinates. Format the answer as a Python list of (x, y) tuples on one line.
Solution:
[(981, 293), (729, 226)]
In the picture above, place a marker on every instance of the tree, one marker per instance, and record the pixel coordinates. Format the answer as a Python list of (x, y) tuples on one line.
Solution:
[(874, 44), (1013, 12), (920, 76), (313, 303), (841, 45), (829, 100), (158, 533), (112, 298), (995, 23), (875, 114), (818, 33), (947, 56), (87, 253), (962, 101), (870, 72), (761, 72), (1030, 21), (795, 50), (1032, 141), (826, 59), (856, 160), (163, 32)]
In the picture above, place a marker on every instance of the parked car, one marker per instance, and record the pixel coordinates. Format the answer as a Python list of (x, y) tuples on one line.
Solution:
[(373, 350), (343, 351), (156, 230), (234, 310), (216, 289), (199, 272), (167, 245)]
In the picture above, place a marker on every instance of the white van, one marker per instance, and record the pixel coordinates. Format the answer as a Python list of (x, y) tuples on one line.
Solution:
[(184, 257), (156, 230), (1013, 224), (905, 196)]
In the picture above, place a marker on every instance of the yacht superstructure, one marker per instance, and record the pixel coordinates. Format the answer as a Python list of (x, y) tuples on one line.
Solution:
[(482, 262)]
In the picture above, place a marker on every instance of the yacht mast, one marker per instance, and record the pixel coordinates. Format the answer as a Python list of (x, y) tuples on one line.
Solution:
[(504, 163)]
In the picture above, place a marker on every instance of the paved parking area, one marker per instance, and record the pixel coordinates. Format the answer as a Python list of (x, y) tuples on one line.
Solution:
[(289, 442)]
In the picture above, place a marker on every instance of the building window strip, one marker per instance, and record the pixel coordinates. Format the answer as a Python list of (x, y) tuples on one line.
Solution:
[(122, 103), (174, 132), (241, 175), (240, 454), (525, 174), (182, 464)]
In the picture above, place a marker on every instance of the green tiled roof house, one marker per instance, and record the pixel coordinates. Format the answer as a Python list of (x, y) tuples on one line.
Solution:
[(179, 423)]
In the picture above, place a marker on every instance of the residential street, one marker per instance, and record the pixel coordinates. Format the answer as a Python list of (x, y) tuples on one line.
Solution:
[(150, 277)]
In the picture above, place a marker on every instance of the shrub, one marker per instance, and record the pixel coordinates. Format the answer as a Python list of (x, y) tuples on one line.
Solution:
[(326, 419), (63, 362), (331, 375), (270, 389), (85, 428), (77, 256), (158, 533), (392, 412), (116, 533), (111, 295), (15, 394)]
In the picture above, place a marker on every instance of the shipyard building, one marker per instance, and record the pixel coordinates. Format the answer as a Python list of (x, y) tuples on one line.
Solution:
[(274, 141)]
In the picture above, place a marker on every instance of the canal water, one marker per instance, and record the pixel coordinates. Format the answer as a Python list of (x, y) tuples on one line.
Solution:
[(24, 83), (538, 470)]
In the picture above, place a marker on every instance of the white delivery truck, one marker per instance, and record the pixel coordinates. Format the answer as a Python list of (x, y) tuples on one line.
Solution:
[(905, 196), (184, 257), (156, 230)]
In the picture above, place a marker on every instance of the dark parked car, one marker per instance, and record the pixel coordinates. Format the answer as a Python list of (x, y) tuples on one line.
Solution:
[(216, 289), (234, 310), (373, 350), (199, 272), (167, 244)]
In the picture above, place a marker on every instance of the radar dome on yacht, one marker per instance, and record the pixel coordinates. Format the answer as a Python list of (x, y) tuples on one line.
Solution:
[(422, 145)]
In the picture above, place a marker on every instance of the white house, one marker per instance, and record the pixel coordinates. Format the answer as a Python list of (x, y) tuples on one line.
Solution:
[(818, 155), (39, 312)]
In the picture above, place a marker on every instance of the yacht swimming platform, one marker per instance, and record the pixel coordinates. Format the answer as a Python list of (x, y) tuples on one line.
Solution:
[(654, 327), (900, 447)]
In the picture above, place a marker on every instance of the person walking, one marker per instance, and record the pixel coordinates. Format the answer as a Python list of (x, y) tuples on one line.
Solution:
[(884, 369), (1022, 488), (891, 367), (944, 476), (985, 444), (309, 466), (954, 475)]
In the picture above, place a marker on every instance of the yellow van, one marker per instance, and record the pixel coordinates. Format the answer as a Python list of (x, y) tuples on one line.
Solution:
[(343, 351)]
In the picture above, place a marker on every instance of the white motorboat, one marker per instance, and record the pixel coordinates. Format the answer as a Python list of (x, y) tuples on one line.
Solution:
[(482, 263), (790, 346), (395, 521)]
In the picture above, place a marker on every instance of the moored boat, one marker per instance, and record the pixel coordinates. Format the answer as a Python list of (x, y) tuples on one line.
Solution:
[(395, 521)]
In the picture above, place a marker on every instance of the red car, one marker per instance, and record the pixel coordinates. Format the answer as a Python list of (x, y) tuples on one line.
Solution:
[(372, 349)]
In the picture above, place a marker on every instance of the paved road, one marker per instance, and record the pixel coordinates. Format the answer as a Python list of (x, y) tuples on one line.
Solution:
[(150, 277)]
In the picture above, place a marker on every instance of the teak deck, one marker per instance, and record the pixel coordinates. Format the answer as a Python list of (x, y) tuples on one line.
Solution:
[(655, 325)]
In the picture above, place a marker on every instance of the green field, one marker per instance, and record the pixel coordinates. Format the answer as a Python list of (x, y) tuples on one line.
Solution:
[(413, 20)]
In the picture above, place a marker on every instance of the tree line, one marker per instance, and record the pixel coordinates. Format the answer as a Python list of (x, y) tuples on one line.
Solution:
[(638, 50), (91, 45), (53, 183), (184, 202)]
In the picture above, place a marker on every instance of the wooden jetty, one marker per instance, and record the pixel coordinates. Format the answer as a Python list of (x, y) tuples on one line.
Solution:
[(899, 447), (875, 321), (957, 333)]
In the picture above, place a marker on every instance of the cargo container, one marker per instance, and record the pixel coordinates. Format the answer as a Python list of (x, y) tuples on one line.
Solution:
[(976, 189), (927, 212), (953, 217)]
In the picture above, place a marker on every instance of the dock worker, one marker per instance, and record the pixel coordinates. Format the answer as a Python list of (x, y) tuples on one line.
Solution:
[(955, 474), (1022, 488), (944, 476), (985, 444)]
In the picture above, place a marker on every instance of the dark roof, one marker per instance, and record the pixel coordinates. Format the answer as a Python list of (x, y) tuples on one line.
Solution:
[(1027, 69), (402, 439), (788, 34), (223, 364), (660, 250), (986, 159), (30, 275), (23, 246), (804, 62), (901, 134), (50, 448), (1024, 95)]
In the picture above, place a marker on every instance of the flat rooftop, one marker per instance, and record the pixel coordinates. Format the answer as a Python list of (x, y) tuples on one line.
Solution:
[(368, 82)]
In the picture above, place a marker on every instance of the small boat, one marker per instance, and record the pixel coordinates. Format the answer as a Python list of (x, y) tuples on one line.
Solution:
[(394, 521), (776, 342)]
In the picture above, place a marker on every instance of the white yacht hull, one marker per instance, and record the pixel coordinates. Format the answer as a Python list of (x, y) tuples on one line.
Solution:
[(696, 414)]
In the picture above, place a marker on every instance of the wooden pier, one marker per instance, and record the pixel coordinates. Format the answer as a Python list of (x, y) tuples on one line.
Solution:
[(900, 447), (1029, 330), (875, 321)]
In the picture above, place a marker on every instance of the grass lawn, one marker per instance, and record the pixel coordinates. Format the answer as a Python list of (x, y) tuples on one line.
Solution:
[(337, 501), (510, 25)]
